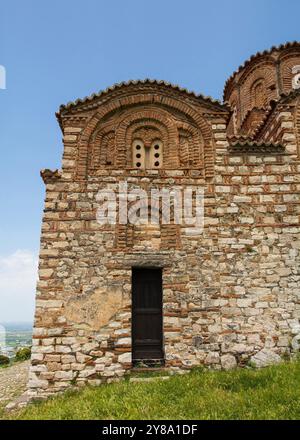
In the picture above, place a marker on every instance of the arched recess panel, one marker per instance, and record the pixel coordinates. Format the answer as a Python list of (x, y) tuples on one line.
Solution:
[(118, 120), (288, 71), (258, 87), (191, 147), (148, 125), (102, 149)]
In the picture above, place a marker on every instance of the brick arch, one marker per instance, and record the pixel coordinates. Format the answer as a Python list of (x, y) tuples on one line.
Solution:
[(160, 101), (234, 120), (286, 64), (98, 155), (197, 146), (169, 233), (155, 117), (258, 101), (157, 211), (140, 124), (264, 71)]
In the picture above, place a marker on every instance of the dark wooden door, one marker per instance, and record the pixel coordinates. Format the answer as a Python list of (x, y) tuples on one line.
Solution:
[(147, 326)]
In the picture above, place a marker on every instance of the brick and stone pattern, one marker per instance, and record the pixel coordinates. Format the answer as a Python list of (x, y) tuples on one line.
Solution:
[(230, 293)]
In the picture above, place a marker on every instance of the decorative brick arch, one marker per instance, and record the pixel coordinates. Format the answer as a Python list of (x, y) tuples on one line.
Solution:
[(235, 106), (287, 62), (197, 147), (263, 73), (125, 234), (155, 117), (162, 102), (98, 154), (258, 93), (136, 125)]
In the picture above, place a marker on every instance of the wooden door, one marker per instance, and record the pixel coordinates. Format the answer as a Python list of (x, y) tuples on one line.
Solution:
[(147, 323)]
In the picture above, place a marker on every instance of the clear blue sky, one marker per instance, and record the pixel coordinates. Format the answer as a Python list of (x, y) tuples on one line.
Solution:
[(57, 51)]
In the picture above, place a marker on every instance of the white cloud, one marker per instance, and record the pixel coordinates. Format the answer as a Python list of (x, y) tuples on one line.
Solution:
[(18, 276)]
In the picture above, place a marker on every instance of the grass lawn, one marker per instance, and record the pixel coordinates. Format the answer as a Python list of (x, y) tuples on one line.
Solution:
[(270, 393)]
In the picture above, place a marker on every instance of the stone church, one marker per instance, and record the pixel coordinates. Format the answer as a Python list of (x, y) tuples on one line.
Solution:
[(115, 296)]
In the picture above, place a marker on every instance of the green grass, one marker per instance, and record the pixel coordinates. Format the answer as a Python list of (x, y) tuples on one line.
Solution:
[(270, 393)]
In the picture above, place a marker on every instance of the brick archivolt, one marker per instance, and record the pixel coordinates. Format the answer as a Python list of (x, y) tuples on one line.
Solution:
[(155, 119), (191, 146), (287, 64), (260, 81), (102, 149), (106, 139), (257, 88)]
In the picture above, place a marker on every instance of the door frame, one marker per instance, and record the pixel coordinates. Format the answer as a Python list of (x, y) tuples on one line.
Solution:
[(149, 362)]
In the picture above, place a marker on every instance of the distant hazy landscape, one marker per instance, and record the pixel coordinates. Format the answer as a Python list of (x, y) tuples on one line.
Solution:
[(14, 336)]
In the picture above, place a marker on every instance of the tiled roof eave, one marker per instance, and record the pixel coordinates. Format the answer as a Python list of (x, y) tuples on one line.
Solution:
[(244, 145), (88, 99)]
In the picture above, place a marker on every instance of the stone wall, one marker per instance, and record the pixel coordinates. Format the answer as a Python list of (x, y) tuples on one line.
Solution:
[(231, 293), (228, 293)]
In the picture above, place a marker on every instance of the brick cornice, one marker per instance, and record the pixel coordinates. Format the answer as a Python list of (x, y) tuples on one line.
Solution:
[(50, 176)]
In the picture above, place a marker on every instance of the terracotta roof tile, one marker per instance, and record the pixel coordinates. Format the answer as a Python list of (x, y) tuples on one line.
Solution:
[(146, 81)]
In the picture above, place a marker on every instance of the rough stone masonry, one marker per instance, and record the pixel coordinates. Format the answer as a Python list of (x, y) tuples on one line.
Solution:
[(231, 294)]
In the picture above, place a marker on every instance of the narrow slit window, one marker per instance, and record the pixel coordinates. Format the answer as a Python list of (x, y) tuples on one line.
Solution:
[(156, 155), (138, 154), (147, 156)]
